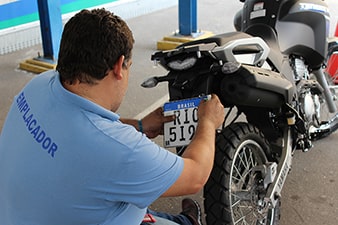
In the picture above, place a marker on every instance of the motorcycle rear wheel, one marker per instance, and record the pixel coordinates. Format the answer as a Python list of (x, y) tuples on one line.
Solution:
[(239, 148)]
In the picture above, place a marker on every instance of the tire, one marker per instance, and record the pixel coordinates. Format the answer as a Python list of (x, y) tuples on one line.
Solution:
[(239, 147)]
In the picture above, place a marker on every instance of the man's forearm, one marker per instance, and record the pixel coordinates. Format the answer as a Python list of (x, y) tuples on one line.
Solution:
[(202, 149)]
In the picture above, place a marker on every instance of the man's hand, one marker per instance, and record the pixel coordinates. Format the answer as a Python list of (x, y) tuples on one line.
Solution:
[(153, 123), (211, 111)]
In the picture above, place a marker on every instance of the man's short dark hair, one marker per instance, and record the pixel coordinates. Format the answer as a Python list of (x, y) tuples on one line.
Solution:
[(91, 43)]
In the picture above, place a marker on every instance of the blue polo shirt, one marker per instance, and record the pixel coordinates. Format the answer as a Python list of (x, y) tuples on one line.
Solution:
[(65, 160)]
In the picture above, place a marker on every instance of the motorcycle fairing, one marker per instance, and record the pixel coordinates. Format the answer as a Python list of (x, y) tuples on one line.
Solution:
[(310, 18)]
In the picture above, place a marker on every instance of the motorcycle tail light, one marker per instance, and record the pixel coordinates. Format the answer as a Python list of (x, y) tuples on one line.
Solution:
[(230, 67), (184, 64)]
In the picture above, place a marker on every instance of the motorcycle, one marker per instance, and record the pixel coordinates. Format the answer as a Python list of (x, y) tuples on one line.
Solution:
[(277, 79)]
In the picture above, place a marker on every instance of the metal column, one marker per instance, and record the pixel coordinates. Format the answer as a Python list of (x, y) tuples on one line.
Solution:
[(51, 27), (187, 17)]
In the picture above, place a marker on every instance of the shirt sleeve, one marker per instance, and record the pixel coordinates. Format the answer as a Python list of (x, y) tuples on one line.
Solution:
[(140, 171), (151, 170)]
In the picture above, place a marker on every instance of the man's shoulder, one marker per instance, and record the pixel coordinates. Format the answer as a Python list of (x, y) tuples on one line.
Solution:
[(42, 78)]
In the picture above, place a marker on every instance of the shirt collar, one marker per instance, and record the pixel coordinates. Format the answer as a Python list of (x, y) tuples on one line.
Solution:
[(68, 97)]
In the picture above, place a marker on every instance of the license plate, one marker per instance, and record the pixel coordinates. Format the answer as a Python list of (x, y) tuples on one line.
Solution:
[(181, 131)]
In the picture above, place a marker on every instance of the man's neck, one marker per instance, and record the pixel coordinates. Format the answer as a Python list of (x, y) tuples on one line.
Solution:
[(96, 93)]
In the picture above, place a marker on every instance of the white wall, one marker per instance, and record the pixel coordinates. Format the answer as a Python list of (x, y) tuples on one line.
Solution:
[(27, 35)]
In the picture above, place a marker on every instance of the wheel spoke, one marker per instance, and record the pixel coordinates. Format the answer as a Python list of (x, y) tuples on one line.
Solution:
[(244, 207), (246, 151), (243, 162), (252, 160), (241, 178), (246, 215)]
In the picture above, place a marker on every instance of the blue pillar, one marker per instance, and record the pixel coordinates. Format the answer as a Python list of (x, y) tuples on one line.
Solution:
[(187, 16), (51, 27)]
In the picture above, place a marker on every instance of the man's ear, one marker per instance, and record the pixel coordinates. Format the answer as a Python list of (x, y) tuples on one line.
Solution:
[(118, 68)]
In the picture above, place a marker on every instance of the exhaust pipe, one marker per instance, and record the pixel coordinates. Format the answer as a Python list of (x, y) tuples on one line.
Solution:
[(324, 129)]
